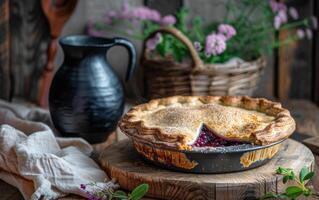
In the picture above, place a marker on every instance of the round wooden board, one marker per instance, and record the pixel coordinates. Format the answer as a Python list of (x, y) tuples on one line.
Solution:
[(122, 162)]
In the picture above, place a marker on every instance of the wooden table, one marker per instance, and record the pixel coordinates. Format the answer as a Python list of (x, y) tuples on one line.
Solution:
[(305, 113)]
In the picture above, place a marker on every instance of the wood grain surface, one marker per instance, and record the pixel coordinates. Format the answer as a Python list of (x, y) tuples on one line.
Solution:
[(121, 162), (5, 82), (30, 37)]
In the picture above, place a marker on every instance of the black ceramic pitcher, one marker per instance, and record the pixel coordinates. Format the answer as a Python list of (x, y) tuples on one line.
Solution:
[(86, 97)]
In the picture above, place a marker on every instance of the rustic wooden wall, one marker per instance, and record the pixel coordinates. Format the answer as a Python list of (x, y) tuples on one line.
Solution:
[(291, 75), (294, 66), (315, 58), (5, 83), (30, 37)]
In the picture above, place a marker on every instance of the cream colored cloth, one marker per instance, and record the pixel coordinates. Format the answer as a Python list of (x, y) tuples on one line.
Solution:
[(39, 164)]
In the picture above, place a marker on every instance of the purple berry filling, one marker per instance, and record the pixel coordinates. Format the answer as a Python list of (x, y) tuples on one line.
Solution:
[(207, 138)]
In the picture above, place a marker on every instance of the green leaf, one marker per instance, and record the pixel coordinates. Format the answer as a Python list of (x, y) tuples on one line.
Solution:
[(307, 192), (293, 191), (285, 179), (268, 195), (303, 172), (308, 176), (139, 191), (119, 192)]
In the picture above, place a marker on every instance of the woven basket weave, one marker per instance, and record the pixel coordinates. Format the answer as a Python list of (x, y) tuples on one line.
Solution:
[(167, 78)]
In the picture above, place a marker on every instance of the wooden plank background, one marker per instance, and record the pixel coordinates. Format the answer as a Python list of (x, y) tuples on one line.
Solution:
[(30, 37), (5, 83), (291, 73)]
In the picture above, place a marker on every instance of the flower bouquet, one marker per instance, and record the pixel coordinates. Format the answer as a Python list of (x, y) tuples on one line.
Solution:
[(190, 57)]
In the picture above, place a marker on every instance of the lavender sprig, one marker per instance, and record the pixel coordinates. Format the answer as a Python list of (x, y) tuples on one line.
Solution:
[(100, 193)]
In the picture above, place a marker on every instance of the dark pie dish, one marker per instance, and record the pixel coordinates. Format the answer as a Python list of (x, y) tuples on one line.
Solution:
[(206, 134), (209, 160)]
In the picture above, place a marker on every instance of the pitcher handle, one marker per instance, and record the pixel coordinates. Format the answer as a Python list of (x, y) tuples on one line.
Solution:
[(131, 54)]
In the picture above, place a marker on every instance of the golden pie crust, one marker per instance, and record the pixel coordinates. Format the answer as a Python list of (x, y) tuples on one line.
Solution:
[(175, 122)]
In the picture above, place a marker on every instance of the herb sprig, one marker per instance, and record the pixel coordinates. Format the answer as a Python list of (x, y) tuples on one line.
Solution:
[(299, 187), (100, 193), (136, 194)]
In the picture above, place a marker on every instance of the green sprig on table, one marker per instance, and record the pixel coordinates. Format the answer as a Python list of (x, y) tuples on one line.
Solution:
[(136, 194), (298, 189)]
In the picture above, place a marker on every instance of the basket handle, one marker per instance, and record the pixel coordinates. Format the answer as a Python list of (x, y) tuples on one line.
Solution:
[(197, 61)]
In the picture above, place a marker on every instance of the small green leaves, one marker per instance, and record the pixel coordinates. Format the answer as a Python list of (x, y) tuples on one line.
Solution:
[(287, 173), (285, 179), (120, 195), (270, 195), (299, 188), (139, 191), (110, 194), (308, 176), (303, 172), (293, 191)]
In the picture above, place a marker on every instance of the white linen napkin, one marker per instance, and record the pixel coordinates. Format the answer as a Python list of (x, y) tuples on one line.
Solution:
[(39, 164)]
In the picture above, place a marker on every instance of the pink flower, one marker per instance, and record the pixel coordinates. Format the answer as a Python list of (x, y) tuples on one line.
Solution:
[(293, 13), (215, 44), (314, 22), (125, 6), (277, 22), (152, 42), (107, 20), (197, 46), (274, 5), (277, 6), (91, 30), (309, 33), (281, 6), (168, 20), (227, 30), (283, 16), (144, 13), (300, 33), (112, 13)]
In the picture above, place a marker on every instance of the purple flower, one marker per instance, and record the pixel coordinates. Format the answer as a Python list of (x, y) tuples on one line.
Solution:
[(277, 22), (283, 16), (107, 20), (274, 5), (282, 6), (300, 33), (125, 6), (309, 33), (144, 13), (92, 31), (197, 46), (215, 44), (227, 30), (152, 42), (293, 13), (83, 186), (277, 6), (112, 13), (168, 20), (154, 15), (314, 22)]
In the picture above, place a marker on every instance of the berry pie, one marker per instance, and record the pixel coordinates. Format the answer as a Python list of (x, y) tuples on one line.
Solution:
[(185, 123)]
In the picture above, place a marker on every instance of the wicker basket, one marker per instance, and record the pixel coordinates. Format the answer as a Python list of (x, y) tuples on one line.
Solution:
[(167, 78)]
